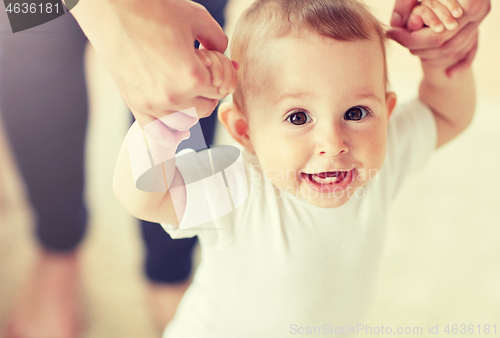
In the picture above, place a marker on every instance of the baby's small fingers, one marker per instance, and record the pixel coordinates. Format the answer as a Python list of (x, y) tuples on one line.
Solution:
[(216, 69), (443, 14), (227, 86), (235, 76), (203, 55), (454, 7), (429, 17)]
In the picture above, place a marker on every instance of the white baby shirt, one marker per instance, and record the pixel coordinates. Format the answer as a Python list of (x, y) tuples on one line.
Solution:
[(277, 264)]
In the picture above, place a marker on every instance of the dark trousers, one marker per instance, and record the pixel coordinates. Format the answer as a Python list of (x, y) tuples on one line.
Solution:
[(43, 105)]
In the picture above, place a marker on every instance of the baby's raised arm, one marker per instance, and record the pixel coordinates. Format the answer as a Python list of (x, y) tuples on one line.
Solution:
[(450, 95), (451, 99), (160, 140)]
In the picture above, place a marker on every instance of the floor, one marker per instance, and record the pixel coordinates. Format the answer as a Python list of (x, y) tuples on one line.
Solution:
[(442, 259)]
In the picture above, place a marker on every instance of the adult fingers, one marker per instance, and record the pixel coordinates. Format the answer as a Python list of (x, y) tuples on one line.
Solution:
[(464, 39), (402, 10), (204, 106), (453, 55), (208, 32), (422, 39), (476, 9), (415, 22)]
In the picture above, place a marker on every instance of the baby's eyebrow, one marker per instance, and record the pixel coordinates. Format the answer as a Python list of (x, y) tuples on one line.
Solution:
[(371, 96), (293, 95), (305, 95)]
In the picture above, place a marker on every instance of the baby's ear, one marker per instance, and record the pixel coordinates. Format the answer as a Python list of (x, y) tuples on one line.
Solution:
[(390, 103), (236, 123)]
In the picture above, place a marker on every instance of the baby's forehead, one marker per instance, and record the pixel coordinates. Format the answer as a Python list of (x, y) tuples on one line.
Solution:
[(265, 20), (296, 63)]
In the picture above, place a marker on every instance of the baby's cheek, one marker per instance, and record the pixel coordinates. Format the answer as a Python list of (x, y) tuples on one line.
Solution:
[(378, 155)]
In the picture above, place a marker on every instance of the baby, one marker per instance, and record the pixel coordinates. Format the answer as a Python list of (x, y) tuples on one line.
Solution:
[(324, 152)]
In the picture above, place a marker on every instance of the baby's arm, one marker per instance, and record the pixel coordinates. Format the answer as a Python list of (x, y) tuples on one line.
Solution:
[(150, 206), (163, 137), (452, 100)]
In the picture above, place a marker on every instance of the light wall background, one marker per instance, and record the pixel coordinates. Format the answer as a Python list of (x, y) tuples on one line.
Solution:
[(442, 259)]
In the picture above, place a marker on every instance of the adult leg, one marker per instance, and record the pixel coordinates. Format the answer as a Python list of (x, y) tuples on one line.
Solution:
[(43, 103)]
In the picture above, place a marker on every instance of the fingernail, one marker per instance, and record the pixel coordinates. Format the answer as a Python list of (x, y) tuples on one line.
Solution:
[(438, 28), (457, 12), (452, 25), (396, 20)]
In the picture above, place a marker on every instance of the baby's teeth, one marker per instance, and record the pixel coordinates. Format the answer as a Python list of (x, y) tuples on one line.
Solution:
[(324, 180)]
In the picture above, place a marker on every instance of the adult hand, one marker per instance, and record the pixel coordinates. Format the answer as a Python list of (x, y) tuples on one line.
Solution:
[(148, 46), (437, 49)]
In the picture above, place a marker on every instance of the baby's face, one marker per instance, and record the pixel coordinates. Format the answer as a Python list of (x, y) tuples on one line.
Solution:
[(319, 118)]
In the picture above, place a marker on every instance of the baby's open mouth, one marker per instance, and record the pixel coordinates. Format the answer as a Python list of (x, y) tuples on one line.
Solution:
[(328, 181), (328, 177)]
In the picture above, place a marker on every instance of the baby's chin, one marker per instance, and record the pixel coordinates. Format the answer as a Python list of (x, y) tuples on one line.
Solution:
[(333, 199), (327, 202)]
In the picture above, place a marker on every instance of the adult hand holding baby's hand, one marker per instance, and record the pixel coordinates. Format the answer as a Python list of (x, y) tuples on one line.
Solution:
[(148, 46), (454, 47), (166, 133), (223, 72)]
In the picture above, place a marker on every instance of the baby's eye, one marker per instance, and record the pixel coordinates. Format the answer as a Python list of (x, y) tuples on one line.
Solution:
[(298, 118), (356, 114)]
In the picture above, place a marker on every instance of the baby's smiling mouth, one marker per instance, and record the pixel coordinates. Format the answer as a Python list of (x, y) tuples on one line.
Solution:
[(326, 177)]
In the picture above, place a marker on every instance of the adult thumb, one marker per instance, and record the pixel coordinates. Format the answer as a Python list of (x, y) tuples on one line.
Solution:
[(210, 34), (402, 10)]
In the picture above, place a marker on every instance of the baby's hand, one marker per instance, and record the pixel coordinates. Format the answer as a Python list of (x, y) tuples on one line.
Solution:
[(222, 70), (436, 14)]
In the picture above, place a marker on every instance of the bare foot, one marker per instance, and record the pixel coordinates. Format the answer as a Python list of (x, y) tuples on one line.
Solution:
[(163, 301), (49, 303)]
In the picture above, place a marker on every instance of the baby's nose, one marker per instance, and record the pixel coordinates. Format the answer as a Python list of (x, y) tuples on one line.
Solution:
[(331, 141)]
